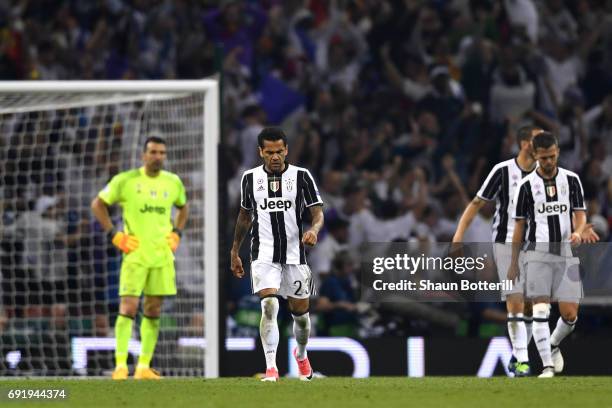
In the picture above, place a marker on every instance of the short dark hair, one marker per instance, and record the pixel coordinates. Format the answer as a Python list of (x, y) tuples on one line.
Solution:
[(271, 134), (544, 140), (524, 134), (153, 139)]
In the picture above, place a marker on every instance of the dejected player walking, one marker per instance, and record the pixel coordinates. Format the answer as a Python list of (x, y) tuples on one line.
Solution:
[(273, 198), (500, 185), (148, 241), (550, 207)]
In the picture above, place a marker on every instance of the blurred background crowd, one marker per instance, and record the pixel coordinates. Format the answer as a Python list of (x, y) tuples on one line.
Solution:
[(399, 108)]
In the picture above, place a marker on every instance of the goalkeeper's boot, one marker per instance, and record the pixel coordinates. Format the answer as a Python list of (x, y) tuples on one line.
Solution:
[(304, 367), (522, 370), (147, 373), (548, 372), (271, 375), (512, 364), (557, 359), (120, 373)]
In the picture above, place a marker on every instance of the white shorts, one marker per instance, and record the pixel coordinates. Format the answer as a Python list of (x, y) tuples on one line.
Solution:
[(290, 280), (558, 278), (503, 257)]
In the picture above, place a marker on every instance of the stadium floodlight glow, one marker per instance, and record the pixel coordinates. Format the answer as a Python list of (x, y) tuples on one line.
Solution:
[(192, 342), (357, 353), (240, 344), (499, 349), (231, 343), (13, 358), (82, 129), (415, 347), (82, 345)]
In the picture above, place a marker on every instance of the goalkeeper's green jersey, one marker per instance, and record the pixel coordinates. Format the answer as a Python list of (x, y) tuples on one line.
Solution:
[(147, 211)]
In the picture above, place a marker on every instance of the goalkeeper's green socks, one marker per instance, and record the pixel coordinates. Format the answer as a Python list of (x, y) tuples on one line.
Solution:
[(149, 330), (123, 332)]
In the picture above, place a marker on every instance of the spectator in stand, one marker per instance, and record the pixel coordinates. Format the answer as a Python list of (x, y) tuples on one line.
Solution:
[(236, 24), (334, 242), (599, 122), (384, 91), (44, 234), (512, 92), (337, 303), (254, 118)]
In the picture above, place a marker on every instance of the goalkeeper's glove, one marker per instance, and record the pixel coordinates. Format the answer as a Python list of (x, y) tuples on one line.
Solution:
[(174, 239), (125, 242)]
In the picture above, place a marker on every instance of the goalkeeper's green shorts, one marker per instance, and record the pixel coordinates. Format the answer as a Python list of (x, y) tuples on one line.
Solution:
[(136, 278)]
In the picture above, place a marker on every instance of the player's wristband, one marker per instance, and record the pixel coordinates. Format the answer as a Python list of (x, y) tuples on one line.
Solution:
[(178, 232)]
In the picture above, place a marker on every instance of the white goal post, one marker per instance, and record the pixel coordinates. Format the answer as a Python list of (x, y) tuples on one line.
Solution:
[(29, 100)]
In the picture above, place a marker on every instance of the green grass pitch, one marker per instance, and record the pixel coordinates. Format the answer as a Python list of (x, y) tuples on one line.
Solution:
[(336, 392)]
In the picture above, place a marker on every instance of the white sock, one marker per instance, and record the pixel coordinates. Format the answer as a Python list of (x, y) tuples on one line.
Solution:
[(518, 336), (268, 329), (529, 327), (301, 331), (541, 332), (561, 331)]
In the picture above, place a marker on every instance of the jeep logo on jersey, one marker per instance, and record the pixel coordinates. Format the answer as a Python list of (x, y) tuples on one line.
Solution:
[(552, 208), (153, 209), (275, 204)]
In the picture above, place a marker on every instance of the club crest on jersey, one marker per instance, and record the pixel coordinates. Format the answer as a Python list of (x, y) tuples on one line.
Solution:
[(289, 185), (551, 191), (274, 186)]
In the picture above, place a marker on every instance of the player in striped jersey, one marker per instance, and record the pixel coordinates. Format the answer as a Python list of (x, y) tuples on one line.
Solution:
[(500, 185), (550, 206), (273, 198)]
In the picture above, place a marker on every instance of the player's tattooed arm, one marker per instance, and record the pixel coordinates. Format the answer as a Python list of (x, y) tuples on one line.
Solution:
[(242, 227), (310, 236)]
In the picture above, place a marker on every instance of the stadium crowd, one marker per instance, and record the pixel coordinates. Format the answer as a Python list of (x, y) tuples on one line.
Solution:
[(398, 107)]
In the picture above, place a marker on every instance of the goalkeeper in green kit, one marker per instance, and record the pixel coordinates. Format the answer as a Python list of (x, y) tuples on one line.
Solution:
[(148, 241)]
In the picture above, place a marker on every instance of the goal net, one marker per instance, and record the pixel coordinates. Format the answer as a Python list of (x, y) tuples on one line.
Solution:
[(60, 143)]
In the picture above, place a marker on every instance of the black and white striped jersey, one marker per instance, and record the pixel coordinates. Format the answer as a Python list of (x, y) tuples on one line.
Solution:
[(277, 202), (500, 185), (548, 204)]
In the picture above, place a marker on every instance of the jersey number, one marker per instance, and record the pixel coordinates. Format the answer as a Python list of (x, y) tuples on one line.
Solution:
[(298, 291)]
